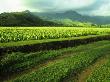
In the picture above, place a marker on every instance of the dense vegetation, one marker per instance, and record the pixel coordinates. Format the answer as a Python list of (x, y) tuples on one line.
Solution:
[(25, 18), (53, 65), (59, 70), (101, 74), (42, 45), (54, 47), (42, 54), (22, 34), (69, 18)]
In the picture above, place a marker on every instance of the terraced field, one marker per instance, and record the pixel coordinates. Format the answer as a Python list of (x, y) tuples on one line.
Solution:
[(72, 59)]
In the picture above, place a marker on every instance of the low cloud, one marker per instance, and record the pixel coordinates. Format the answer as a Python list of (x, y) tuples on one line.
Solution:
[(59, 5), (103, 9), (86, 7)]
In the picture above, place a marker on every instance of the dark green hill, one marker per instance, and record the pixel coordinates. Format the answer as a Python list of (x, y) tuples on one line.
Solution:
[(24, 18), (68, 18)]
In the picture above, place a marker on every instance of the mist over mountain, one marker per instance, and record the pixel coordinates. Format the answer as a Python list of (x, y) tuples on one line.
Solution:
[(68, 18), (73, 15)]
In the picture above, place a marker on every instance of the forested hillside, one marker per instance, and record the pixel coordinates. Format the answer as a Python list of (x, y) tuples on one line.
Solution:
[(67, 19), (25, 18)]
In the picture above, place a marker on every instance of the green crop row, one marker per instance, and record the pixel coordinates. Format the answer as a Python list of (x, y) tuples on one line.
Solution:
[(33, 46), (17, 62), (57, 71), (23, 33), (101, 74)]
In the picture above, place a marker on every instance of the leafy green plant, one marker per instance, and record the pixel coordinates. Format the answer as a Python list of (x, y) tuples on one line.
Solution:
[(23, 33), (18, 62), (57, 71), (101, 74)]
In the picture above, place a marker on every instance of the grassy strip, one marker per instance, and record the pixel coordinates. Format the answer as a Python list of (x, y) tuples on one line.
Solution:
[(49, 44), (61, 69), (16, 62), (101, 74)]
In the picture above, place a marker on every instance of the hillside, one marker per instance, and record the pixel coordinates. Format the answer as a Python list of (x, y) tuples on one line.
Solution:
[(68, 19), (25, 18), (73, 15)]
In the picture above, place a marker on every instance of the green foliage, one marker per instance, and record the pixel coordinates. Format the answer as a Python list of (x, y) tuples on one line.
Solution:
[(42, 45), (16, 62), (101, 74), (25, 18), (57, 71), (69, 18), (23, 34)]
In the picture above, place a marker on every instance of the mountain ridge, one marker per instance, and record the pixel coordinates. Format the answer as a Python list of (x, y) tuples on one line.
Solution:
[(73, 15)]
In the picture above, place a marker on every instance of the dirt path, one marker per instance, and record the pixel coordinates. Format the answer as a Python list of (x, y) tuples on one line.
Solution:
[(82, 77)]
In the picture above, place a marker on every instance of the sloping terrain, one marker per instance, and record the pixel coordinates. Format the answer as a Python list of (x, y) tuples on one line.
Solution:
[(25, 18)]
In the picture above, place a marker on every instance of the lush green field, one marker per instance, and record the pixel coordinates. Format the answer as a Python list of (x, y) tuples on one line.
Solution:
[(53, 65), (25, 33), (54, 54)]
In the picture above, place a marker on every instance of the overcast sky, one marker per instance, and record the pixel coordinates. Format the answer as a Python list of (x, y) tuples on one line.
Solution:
[(89, 7)]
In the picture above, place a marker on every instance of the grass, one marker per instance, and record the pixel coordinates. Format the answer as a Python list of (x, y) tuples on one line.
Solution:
[(57, 71), (52, 65), (17, 62), (24, 61)]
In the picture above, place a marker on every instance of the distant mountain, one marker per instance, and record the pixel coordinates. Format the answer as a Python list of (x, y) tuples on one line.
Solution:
[(25, 18), (53, 16), (68, 18), (73, 15), (102, 20)]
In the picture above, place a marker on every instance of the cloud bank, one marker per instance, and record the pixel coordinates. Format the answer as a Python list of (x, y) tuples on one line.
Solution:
[(87, 7), (58, 5)]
